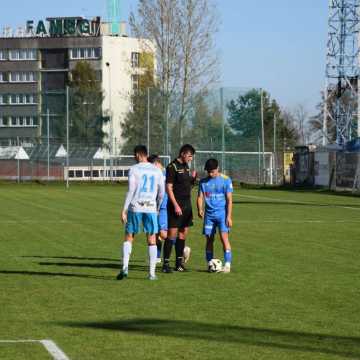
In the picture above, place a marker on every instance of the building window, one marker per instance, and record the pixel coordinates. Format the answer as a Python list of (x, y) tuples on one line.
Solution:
[(135, 82), (22, 54), (19, 121), (3, 55), (85, 53), (22, 76), (17, 99), (135, 59), (4, 76)]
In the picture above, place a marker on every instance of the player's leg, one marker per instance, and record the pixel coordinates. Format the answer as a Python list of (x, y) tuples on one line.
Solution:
[(209, 249), (179, 249), (209, 230), (185, 221), (224, 237), (172, 222), (162, 235), (131, 228), (151, 228), (168, 244)]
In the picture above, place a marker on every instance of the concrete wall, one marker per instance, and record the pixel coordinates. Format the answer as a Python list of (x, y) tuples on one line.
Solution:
[(117, 78)]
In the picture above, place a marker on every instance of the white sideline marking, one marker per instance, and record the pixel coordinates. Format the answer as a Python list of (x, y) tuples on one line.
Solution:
[(295, 201), (49, 345)]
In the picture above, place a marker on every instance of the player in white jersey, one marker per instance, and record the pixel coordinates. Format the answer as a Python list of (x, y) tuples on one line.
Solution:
[(143, 200)]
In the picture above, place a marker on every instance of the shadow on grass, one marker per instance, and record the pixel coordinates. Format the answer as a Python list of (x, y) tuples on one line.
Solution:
[(68, 257), (290, 203), (45, 273), (348, 347), (96, 265)]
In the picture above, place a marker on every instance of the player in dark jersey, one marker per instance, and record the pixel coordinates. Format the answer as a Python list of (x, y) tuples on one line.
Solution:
[(179, 181)]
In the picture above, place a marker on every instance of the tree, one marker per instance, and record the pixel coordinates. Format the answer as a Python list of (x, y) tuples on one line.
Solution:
[(301, 116), (183, 32), (135, 126), (244, 118), (86, 98)]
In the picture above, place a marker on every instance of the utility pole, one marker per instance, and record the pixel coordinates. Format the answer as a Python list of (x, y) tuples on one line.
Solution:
[(274, 149), (148, 120), (263, 137), (67, 136)]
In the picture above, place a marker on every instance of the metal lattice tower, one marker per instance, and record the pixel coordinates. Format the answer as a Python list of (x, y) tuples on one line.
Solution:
[(113, 13), (342, 69)]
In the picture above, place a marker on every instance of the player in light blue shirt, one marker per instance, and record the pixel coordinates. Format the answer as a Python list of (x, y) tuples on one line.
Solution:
[(142, 203), (216, 191)]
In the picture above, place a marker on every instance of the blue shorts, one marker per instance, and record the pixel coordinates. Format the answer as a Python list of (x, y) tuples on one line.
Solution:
[(211, 222), (148, 220), (163, 219)]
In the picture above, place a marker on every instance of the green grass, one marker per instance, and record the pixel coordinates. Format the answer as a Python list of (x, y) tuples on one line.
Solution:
[(294, 292)]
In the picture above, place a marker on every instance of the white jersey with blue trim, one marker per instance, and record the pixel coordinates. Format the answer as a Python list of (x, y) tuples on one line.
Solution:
[(146, 188)]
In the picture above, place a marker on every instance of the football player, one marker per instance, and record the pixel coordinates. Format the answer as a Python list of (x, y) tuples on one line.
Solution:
[(216, 191), (143, 200)]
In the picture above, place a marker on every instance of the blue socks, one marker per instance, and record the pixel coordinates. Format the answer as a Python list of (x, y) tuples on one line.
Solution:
[(209, 255), (227, 256)]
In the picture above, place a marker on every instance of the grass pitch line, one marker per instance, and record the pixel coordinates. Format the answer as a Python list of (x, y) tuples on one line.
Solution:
[(49, 345), (296, 202)]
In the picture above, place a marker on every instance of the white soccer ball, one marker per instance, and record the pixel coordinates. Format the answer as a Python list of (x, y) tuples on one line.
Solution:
[(186, 254), (215, 265)]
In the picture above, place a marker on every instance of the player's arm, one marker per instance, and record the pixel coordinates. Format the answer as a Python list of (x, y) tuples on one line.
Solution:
[(200, 204), (170, 178), (170, 192), (229, 205), (129, 196), (161, 191)]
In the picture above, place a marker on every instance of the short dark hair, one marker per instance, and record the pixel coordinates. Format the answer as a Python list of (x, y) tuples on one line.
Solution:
[(187, 148), (140, 149), (153, 158), (211, 164)]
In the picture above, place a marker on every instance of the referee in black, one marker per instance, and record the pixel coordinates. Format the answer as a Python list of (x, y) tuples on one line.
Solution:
[(179, 181)]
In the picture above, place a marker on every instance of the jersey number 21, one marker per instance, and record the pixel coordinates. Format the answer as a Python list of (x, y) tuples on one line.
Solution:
[(145, 185)]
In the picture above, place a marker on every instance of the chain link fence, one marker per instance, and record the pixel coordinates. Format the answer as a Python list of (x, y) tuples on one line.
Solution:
[(77, 140)]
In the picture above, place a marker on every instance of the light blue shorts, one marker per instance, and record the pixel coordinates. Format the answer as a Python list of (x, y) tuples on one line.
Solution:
[(148, 220), (163, 219), (211, 222)]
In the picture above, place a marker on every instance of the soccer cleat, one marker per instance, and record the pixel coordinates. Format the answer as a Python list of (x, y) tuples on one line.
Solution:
[(180, 268), (122, 275), (152, 277), (166, 268), (227, 268)]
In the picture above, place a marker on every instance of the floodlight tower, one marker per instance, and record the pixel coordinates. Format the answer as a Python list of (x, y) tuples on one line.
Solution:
[(342, 69), (113, 13)]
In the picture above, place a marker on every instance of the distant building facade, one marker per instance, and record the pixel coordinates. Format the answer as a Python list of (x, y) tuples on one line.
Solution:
[(34, 71)]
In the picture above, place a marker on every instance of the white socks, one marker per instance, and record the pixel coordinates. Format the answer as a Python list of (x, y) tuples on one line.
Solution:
[(152, 259), (127, 247)]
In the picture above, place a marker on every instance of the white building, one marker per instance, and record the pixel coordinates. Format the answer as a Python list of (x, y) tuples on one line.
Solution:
[(36, 62)]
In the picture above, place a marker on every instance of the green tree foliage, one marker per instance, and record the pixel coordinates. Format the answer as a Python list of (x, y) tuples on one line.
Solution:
[(244, 118), (135, 126), (204, 130), (86, 118)]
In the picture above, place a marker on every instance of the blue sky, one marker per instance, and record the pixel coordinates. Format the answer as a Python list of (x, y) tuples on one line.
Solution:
[(278, 45)]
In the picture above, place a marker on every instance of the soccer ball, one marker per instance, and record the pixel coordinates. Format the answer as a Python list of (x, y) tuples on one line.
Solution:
[(215, 265), (186, 254)]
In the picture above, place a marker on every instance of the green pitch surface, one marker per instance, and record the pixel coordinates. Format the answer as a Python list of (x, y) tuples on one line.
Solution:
[(294, 292)]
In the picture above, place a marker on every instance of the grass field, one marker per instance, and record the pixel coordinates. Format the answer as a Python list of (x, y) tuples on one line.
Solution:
[(294, 292)]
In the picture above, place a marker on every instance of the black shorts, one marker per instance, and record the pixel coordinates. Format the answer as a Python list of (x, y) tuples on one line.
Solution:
[(182, 221)]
